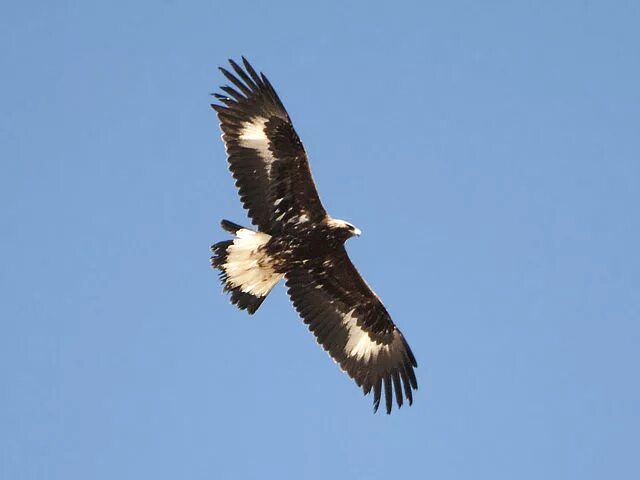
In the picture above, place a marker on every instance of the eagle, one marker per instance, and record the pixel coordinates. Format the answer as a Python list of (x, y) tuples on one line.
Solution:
[(295, 239)]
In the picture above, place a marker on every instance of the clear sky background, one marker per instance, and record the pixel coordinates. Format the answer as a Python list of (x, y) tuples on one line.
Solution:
[(489, 151)]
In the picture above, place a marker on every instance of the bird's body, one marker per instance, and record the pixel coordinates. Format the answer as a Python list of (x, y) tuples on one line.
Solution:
[(297, 240)]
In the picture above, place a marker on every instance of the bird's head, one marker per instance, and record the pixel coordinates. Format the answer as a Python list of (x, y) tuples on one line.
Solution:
[(343, 230)]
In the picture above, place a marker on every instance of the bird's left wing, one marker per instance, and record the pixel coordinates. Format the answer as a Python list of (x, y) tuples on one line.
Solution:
[(353, 326), (265, 154)]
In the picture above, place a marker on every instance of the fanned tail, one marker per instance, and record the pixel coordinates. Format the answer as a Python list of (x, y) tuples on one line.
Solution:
[(246, 269)]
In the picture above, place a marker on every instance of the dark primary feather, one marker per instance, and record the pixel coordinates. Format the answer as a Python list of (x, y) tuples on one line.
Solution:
[(324, 291), (284, 178)]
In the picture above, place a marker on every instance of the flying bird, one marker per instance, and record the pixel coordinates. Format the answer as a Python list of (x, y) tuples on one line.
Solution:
[(297, 240)]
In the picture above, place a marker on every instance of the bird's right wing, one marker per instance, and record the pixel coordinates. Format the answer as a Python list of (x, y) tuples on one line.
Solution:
[(266, 157)]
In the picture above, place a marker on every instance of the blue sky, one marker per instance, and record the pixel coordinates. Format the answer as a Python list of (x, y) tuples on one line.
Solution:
[(489, 151)]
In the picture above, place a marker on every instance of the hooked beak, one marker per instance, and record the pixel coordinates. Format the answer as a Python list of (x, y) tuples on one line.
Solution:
[(357, 232)]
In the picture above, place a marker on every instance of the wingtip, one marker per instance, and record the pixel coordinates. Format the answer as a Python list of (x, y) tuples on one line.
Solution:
[(233, 63)]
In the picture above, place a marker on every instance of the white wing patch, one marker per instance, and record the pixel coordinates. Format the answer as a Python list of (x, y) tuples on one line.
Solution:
[(253, 136), (359, 344), (248, 266)]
